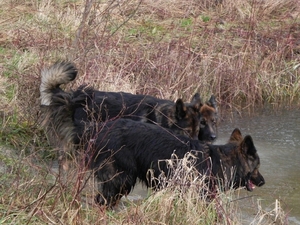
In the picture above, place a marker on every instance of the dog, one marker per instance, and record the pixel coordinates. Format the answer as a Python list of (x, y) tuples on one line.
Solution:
[(179, 117), (122, 150), (125, 150)]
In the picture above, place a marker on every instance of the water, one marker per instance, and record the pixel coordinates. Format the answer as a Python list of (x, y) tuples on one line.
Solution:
[(276, 136)]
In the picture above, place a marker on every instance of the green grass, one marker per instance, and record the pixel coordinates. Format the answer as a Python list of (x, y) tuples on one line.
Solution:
[(186, 22)]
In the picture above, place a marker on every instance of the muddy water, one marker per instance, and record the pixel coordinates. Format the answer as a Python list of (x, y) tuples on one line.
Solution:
[(276, 136)]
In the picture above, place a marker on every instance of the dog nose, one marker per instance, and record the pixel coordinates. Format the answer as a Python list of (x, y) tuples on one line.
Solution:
[(213, 137), (261, 183)]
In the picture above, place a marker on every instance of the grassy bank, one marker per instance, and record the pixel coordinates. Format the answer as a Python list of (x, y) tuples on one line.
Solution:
[(245, 52), (36, 193)]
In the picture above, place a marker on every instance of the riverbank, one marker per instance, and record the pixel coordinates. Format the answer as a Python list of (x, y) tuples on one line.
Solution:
[(34, 192)]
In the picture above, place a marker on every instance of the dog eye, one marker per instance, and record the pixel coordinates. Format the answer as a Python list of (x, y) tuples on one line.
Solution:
[(203, 122)]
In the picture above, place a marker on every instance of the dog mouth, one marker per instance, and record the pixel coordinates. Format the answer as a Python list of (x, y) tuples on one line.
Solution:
[(249, 185)]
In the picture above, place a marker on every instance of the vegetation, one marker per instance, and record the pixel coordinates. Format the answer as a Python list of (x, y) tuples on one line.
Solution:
[(245, 52), (37, 193)]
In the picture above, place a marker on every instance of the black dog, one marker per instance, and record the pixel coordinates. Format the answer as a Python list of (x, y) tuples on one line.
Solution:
[(123, 150), (182, 118)]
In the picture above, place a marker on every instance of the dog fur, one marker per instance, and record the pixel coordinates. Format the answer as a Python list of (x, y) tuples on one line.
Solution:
[(208, 120), (125, 150), (181, 118), (121, 150)]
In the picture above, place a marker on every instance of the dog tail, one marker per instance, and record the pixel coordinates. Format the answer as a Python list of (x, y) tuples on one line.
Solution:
[(59, 73), (58, 106)]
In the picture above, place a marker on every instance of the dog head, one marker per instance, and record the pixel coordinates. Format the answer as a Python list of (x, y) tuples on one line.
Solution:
[(187, 116), (208, 121), (247, 162)]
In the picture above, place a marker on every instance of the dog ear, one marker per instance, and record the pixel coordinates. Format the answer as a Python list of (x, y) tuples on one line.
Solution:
[(196, 102), (212, 102), (180, 109), (248, 146), (236, 135)]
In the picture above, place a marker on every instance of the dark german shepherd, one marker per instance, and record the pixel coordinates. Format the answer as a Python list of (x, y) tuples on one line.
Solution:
[(120, 151), (125, 150), (195, 119)]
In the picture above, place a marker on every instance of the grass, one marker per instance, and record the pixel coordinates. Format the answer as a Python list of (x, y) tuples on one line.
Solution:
[(37, 193), (244, 52)]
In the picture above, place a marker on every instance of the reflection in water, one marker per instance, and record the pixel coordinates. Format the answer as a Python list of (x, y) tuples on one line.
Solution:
[(277, 139)]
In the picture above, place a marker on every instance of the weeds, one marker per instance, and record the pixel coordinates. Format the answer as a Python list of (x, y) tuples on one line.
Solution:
[(37, 193)]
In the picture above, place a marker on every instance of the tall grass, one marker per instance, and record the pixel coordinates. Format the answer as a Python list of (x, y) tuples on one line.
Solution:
[(244, 52), (37, 193)]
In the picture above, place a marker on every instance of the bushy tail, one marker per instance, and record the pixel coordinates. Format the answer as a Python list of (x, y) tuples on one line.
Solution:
[(57, 106), (59, 73)]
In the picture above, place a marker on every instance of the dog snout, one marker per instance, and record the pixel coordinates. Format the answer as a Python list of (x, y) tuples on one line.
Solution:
[(213, 137)]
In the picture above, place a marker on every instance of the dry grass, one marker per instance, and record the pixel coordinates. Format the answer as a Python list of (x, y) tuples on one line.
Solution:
[(37, 193), (246, 52)]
